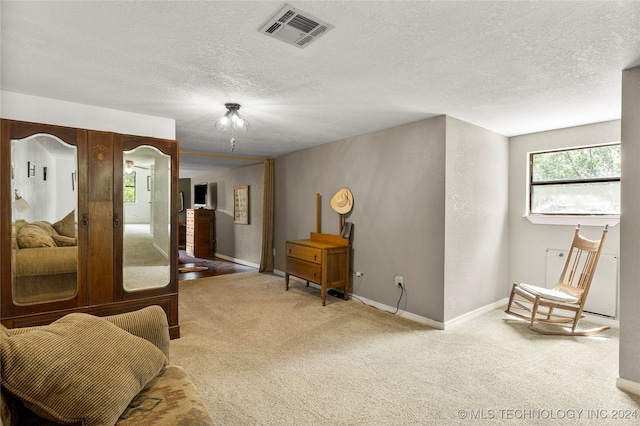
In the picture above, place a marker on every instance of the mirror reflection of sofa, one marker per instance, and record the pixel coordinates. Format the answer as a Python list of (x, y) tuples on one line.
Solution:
[(44, 260)]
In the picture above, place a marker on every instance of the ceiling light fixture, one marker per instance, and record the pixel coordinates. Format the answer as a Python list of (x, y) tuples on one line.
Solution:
[(232, 122)]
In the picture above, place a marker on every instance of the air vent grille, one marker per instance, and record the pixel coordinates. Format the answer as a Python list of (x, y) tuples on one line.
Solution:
[(287, 16), (305, 41), (295, 27), (318, 31), (302, 23), (273, 28)]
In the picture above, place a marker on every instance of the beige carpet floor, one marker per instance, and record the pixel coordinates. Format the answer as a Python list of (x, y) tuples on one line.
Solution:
[(263, 356), (144, 265)]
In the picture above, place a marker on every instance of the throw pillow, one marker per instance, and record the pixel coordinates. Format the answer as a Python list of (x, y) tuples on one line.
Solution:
[(33, 236), (62, 241), (19, 224), (79, 369), (67, 225), (46, 227)]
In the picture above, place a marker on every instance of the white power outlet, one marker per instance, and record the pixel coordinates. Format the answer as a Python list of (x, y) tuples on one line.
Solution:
[(399, 281), (359, 274)]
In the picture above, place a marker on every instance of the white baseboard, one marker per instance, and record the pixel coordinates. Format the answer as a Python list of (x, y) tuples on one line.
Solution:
[(424, 320), (628, 385), (469, 316), (417, 318), (239, 261), (383, 307), (599, 319)]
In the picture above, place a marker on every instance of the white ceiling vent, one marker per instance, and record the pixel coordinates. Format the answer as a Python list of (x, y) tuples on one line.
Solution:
[(295, 27)]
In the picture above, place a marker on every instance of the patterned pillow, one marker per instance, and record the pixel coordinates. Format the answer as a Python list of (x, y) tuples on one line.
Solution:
[(66, 226), (33, 236), (79, 369)]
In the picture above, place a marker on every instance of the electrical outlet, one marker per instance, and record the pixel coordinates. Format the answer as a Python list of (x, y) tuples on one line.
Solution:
[(359, 274), (274, 252), (399, 281)]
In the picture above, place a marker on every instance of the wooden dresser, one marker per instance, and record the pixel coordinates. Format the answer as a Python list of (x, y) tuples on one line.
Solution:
[(323, 259), (201, 227)]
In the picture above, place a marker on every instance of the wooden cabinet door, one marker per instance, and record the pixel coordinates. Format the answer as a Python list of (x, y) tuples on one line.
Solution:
[(101, 223), (154, 163), (10, 179)]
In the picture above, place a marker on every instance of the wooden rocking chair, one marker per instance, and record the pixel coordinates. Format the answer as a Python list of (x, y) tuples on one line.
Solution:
[(557, 311)]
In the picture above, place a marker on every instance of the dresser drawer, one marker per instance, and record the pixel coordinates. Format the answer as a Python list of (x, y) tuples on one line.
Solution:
[(310, 254), (306, 270), (190, 249)]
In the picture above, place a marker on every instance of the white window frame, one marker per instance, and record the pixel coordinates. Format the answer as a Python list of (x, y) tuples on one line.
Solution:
[(564, 219), (135, 187)]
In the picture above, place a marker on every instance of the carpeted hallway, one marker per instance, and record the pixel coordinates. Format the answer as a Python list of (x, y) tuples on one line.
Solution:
[(263, 356)]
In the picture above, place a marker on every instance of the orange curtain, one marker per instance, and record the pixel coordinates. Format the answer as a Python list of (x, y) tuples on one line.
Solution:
[(266, 259)]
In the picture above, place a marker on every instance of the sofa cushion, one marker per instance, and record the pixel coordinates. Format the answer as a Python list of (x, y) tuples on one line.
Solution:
[(62, 241), (169, 399), (66, 226), (34, 236), (79, 369), (32, 262)]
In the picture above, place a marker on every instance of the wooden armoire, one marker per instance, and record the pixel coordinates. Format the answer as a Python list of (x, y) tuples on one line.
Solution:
[(109, 277)]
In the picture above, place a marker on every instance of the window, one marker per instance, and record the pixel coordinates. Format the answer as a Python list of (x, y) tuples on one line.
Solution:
[(582, 181), (130, 187)]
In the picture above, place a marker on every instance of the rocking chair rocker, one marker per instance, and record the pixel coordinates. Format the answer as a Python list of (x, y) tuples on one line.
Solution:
[(557, 311)]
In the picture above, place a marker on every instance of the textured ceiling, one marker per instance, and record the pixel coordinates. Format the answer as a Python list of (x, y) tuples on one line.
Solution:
[(510, 67)]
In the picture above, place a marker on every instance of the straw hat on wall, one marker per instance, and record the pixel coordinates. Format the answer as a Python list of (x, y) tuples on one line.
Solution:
[(342, 201)]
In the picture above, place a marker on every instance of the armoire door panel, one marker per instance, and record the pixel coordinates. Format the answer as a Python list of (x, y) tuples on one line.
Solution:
[(100, 173), (100, 256), (46, 291)]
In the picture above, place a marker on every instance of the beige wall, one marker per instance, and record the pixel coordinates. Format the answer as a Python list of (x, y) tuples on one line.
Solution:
[(238, 242), (476, 206), (430, 204), (630, 227), (397, 177)]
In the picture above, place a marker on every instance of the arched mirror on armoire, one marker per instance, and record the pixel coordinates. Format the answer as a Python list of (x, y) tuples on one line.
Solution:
[(88, 224)]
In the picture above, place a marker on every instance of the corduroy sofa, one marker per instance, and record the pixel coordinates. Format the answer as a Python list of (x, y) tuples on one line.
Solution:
[(44, 260), (94, 371)]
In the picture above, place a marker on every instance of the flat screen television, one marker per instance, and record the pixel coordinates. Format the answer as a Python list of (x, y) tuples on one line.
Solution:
[(200, 195)]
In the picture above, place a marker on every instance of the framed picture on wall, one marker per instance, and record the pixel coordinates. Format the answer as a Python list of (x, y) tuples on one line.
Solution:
[(31, 169), (241, 205)]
